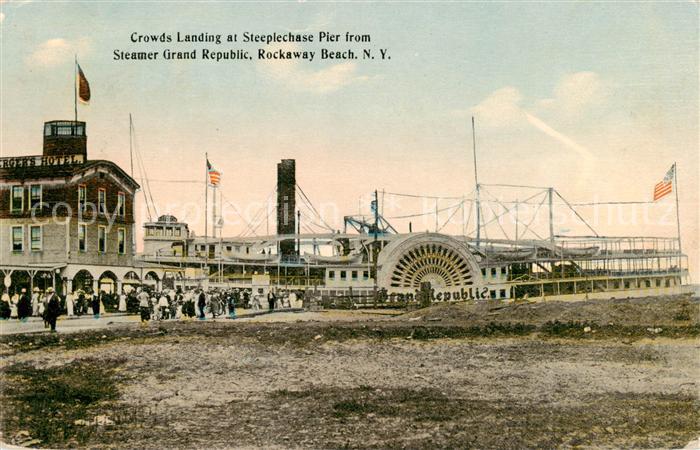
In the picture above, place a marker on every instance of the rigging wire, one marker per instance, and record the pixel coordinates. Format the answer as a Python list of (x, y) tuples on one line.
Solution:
[(450, 217), (311, 221), (139, 158), (470, 200), (534, 215), (235, 208), (427, 213), (313, 208), (265, 207)]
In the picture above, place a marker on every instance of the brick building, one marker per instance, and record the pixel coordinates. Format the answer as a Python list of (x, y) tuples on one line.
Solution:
[(65, 220)]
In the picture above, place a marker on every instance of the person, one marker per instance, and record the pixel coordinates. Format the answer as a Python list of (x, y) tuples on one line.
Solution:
[(201, 304), (122, 302), (5, 306), (164, 306), (189, 305), (53, 308), (233, 299), (96, 304), (284, 300), (43, 307), (70, 304), (271, 300), (132, 302), (153, 304), (80, 306), (144, 306), (24, 306), (35, 302), (255, 303), (246, 299), (14, 299), (215, 304)]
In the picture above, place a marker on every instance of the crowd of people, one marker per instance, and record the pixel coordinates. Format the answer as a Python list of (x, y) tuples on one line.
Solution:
[(149, 303), (201, 303), (21, 305)]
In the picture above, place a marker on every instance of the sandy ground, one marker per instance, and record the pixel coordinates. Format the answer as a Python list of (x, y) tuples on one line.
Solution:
[(287, 380), (109, 321)]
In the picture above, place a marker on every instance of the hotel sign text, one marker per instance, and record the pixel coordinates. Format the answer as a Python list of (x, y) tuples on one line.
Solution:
[(38, 161)]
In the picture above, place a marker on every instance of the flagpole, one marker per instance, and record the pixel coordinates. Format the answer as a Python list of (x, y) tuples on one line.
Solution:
[(476, 186), (678, 219), (75, 87), (206, 205), (131, 149), (213, 211)]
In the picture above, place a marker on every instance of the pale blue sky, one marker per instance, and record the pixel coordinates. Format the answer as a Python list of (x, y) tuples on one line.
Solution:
[(550, 83)]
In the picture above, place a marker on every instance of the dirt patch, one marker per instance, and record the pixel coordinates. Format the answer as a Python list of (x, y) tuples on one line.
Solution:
[(50, 406), (370, 383), (667, 311)]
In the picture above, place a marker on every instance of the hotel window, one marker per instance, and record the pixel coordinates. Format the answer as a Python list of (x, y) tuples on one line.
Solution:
[(35, 238), (493, 272), (169, 231), (121, 201), (354, 275), (177, 233), (18, 239), (17, 199), (82, 237), (365, 274), (503, 270), (101, 239), (82, 197), (503, 293), (102, 201), (343, 275), (331, 274), (34, 195), (121, 241)]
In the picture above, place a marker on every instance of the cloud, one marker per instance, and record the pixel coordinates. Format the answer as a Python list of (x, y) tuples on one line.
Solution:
[(501, 108), (57, 51), (321, 81), (575, 93)]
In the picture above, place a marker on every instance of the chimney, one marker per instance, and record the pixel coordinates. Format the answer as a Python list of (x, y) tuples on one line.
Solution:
[(286, 204)]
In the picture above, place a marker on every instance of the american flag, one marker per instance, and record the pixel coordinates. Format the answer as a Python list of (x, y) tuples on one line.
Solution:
[(214, 175), (665, 186), (83, 86)]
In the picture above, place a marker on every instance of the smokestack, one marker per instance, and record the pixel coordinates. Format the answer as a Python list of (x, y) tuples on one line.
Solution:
[(286, 204)]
